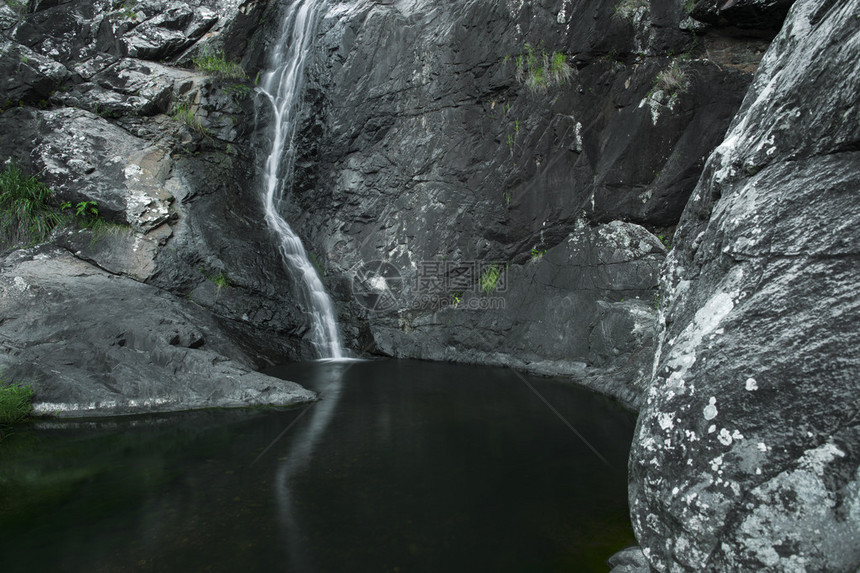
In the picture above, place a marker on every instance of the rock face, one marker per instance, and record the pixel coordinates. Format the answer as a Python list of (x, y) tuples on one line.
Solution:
[(747, 450), (166, 153), (436, 134), (547, 143)]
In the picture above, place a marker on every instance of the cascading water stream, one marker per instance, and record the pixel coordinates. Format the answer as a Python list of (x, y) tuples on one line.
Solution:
[(282, 87)]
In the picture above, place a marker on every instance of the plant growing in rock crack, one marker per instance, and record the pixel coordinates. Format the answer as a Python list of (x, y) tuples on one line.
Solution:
[(220, 280), (539, 70), (184, 113), (537, 254), (26, 212), (216, 64), (671, 80), (85, 214), (238, 91), (489, 279)]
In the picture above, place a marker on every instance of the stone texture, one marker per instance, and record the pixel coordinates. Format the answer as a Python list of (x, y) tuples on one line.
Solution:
[(106, 131), (584, 309), (747, 450)]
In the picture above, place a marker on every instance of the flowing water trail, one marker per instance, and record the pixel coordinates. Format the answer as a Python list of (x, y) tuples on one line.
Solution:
[(282, 87)]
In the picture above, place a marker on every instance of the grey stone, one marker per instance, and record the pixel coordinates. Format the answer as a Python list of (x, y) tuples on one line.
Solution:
[(584, 309), (403, 157), (747, 449), (94, 343), (28, 77), (85, 157)]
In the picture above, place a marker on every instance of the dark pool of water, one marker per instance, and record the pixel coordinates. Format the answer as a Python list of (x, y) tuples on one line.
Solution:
[(402, 466)]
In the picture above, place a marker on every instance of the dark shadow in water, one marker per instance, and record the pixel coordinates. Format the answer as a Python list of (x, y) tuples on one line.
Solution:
[(401, 466)]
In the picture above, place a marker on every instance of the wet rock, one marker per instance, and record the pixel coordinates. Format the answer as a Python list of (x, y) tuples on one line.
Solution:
[(129, 87), (173, 29), (747, 449), (422, 141), (98, 344)]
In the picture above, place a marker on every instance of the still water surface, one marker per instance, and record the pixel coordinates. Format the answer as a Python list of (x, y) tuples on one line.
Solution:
[(401, 466)]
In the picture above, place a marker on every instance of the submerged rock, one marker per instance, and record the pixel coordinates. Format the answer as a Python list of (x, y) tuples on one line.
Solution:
[(747, 450), (630, 560)]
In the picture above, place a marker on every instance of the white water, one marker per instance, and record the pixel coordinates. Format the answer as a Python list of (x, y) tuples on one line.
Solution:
[(282, 87)]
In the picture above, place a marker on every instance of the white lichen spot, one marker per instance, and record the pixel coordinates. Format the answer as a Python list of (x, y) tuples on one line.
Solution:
[(762, 447), (20, 284), (751, 384), (132, 171), (712, 428), (665, 420), (725, 437), (716, 463), (710, 411), (815, 459)]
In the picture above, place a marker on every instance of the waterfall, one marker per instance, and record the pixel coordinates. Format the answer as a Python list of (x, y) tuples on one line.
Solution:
[(282, 86)]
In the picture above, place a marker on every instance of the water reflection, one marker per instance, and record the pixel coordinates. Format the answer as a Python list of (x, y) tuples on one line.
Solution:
[(407, 466), (327, 380)]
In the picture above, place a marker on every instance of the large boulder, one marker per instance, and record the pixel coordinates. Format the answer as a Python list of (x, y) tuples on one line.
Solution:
[(746, 455), (97, 343)]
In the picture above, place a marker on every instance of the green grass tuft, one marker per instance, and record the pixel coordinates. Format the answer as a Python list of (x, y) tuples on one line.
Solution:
[(184, 113), (27, 215), (217, 65), (16, 403), (220, 280), (490, 279), (539, 70), (671, 80), (537, 253)]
